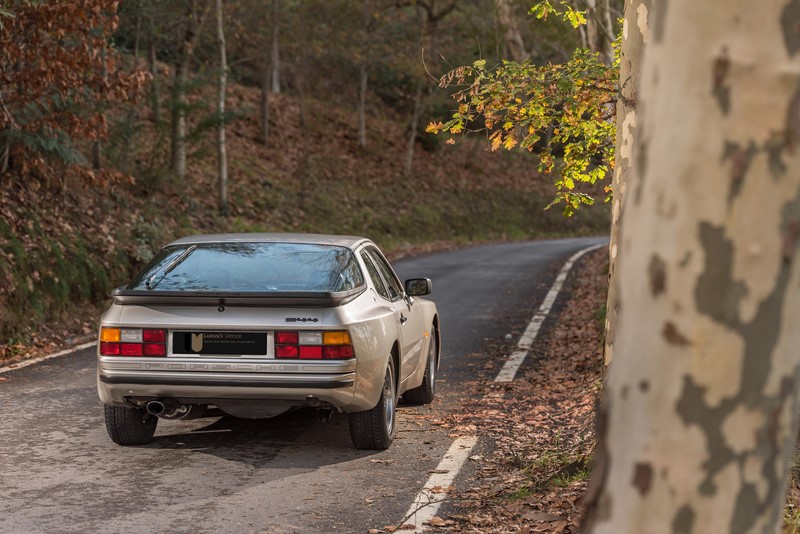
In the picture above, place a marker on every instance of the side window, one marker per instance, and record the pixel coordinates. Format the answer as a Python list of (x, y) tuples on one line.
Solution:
[(350, 276), (372, 272), (395, 291)]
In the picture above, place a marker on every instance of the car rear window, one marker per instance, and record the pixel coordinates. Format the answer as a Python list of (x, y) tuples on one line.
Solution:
[(251, 267)]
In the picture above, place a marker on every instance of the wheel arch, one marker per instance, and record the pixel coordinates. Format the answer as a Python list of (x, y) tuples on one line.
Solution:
[(438, 334), (394, 354)]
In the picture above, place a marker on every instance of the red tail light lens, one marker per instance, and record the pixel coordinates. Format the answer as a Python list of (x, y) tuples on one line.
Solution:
[(131, 349), (109, 349), (286, 351), (286, 338), (310, 352), (155, 349), (337, 352), (154, 336)]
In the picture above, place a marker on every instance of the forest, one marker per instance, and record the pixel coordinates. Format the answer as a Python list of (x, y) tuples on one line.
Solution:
[(127, 124), (431, 125)]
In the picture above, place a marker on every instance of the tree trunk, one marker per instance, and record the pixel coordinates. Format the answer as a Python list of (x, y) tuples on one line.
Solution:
[(155, 97), (363, 75), (193, 24), (412, 136), (634, 38), (513, 38), (221, 88), (97, 148), (275, 58), (264, 102), (600, 29), (702, 397)]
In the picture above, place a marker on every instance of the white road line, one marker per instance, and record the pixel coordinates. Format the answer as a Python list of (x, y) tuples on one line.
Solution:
[(26, 363), (513, 363), (427, 502)]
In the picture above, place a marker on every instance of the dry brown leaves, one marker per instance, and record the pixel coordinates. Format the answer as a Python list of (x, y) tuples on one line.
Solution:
[(542, 424)]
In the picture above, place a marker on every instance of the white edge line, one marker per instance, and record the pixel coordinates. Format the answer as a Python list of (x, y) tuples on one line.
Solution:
[(427, 502), (26, 363), (515, 361)]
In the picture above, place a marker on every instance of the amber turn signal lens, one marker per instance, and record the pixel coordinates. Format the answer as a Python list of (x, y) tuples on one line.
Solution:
[(109, 335), (336, 338)]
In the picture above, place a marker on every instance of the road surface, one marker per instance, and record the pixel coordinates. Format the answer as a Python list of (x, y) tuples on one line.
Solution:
[(59, 472)]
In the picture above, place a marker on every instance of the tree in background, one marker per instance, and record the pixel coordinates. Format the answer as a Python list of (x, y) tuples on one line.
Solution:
[(703, 392), (55, 66), (563, 111), (194, 17), (430, 15), (222, 80)]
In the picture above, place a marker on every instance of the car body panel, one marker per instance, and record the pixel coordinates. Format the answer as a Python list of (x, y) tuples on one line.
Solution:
[(350, 385)]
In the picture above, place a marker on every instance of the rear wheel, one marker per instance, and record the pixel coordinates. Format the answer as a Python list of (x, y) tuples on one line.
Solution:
[(374, 429), (426, 392), (130, 426)]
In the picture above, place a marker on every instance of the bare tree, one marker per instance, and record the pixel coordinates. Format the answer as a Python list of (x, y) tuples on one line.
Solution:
[(430, 16), (221, 90), (367, 29), (512, 35), (194, 19), (275, 57)]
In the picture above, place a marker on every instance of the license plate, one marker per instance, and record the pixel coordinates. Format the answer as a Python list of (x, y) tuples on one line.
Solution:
[(227, 343)]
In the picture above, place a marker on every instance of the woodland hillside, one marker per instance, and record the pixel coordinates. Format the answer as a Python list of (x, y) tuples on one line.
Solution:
[(326, 103)]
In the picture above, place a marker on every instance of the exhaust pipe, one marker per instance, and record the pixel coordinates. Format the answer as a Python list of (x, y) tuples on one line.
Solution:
[(170, 409), (155, 408)]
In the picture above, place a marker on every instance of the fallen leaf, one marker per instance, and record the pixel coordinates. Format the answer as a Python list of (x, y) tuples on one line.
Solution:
[(439, 522), (534, 516)]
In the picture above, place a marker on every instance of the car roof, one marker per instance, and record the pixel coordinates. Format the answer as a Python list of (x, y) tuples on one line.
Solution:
[(314, 239)]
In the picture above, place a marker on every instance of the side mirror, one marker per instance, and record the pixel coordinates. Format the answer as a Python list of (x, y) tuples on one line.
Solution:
[(418, 287)]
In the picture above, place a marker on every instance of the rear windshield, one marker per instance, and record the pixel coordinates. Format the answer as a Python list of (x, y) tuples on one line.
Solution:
[(251, 267)]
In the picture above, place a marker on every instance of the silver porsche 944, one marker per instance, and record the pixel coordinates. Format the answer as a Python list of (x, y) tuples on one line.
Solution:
[(253, 325)]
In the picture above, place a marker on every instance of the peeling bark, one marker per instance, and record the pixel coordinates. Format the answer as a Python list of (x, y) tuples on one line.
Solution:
[(635, 31), (717, 201)]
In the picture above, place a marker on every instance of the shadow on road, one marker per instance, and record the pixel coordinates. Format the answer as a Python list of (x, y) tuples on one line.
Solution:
[(298, 436)]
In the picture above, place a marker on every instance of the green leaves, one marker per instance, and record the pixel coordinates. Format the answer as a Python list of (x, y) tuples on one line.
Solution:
[(564, 112)]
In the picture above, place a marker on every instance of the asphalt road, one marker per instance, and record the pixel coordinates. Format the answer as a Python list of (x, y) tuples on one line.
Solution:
[(59, 472)]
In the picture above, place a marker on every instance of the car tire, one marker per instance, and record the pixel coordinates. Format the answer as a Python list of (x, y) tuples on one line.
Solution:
[(130, 426), (374, 429), (426, 392)]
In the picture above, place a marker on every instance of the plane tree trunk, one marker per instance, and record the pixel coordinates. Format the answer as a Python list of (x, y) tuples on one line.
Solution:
[(634, 37), (702, 396)]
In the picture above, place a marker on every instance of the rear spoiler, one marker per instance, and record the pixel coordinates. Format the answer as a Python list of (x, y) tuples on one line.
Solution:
[(293, 299)]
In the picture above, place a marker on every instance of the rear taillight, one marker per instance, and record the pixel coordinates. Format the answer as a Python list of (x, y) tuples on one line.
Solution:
[(314, 345), (133, 342)]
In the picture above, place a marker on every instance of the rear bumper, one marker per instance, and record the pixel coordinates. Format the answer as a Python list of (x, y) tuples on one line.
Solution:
[(332, 382)]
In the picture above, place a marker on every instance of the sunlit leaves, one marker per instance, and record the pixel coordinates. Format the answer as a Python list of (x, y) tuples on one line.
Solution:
[(563, 112), (562, 9)]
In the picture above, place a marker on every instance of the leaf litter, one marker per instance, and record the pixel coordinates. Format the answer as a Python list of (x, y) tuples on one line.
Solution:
[(541, 425)]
